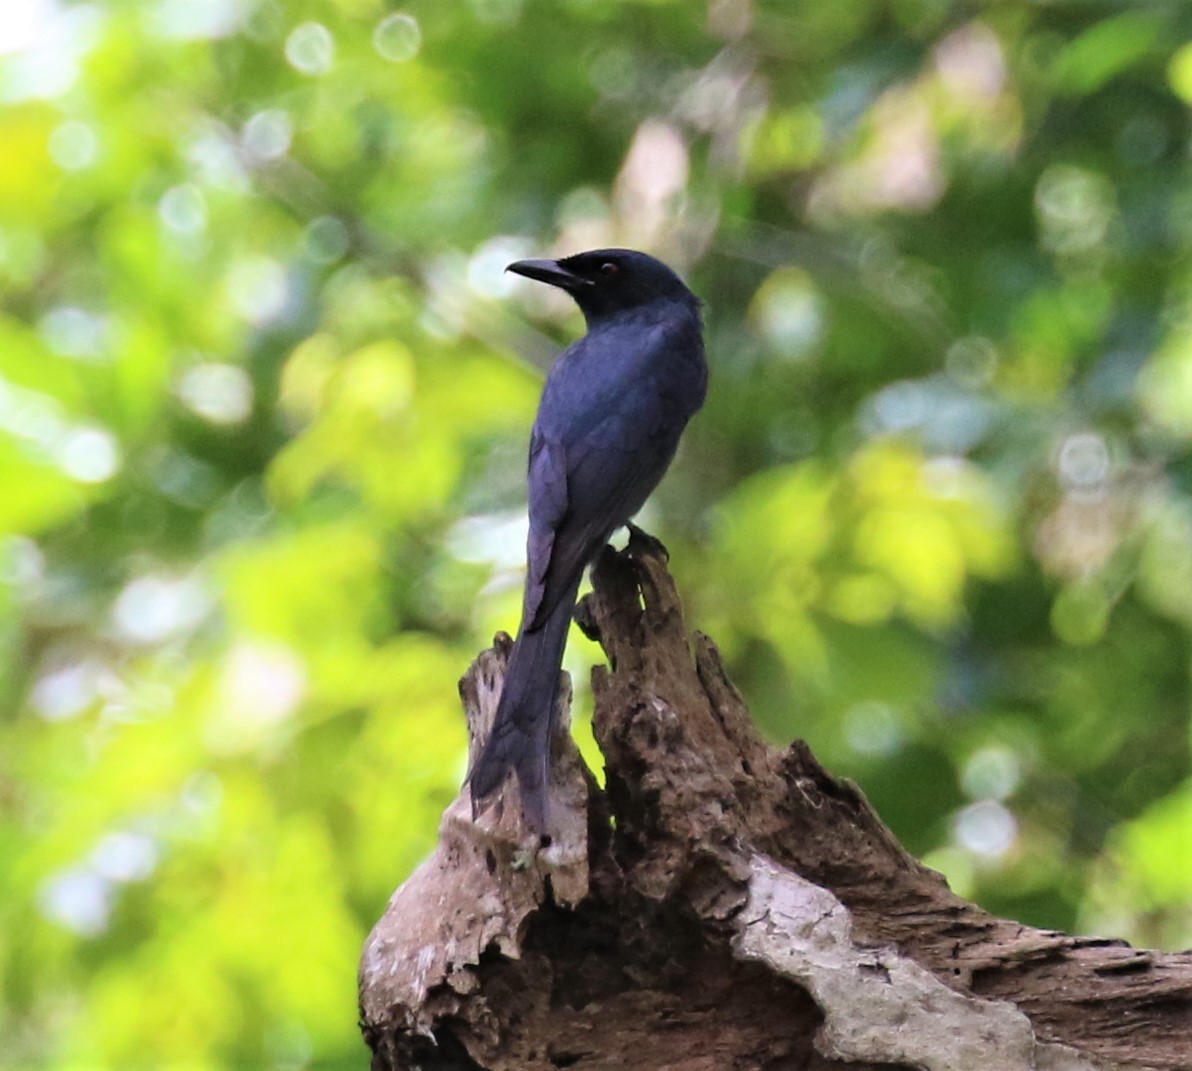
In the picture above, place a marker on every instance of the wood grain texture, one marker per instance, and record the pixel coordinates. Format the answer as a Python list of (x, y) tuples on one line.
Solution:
[(722, 904)]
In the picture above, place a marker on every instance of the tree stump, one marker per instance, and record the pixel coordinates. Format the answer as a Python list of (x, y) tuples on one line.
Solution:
[(723, 905)]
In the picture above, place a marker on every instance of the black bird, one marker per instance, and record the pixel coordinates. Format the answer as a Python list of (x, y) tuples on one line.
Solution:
[(611, 414)]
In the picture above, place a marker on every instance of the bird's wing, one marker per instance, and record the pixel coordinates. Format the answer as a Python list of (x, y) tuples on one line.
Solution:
[(611, 415), (548, 506), (583, 490)]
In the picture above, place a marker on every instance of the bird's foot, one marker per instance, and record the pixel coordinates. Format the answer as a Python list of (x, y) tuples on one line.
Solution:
[(641, 542)]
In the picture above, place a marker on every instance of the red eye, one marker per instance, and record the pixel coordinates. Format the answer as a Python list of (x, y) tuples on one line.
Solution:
[(608, 269)]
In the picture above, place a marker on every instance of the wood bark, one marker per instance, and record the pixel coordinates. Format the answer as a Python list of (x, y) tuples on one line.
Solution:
[(722, 904)]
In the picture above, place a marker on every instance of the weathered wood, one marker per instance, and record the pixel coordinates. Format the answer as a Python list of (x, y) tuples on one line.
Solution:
[(742, 909)]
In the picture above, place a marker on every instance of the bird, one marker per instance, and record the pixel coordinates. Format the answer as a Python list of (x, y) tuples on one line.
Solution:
[(612, 411)]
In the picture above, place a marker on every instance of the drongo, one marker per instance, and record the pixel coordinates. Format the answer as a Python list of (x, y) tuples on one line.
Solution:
[(612, 411)]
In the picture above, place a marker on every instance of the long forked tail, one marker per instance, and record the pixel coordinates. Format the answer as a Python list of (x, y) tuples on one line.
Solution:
[(520, 739)]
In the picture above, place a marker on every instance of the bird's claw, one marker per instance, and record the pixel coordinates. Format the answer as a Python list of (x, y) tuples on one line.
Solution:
[(641, 542)]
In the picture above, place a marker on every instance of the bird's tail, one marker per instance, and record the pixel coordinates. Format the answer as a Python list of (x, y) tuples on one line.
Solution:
[(520, 739)]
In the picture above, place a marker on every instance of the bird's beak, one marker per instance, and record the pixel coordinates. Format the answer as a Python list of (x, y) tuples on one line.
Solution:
[(550, 271)]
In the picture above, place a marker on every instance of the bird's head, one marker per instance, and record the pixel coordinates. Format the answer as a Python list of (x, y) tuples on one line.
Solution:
[(604, 282)]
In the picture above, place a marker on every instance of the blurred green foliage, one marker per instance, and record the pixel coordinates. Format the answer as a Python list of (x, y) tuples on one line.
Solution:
[(264, 400)]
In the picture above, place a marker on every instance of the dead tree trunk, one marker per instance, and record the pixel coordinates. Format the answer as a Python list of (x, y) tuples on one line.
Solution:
[(724, 905)]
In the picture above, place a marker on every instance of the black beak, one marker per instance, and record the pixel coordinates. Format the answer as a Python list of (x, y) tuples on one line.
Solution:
[(551, 272)]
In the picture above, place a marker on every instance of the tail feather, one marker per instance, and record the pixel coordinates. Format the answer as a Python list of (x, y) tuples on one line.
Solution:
[(520, 739)]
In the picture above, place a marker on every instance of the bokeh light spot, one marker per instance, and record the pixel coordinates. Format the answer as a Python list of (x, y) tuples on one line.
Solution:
[(154, 608), (125, 856), (1075, 208), (268, 134), (79, 900), (397, 38), (74, 332), (327, 239), (486, 268), (183, 209), (310, 48), (66, 691), (1083, 461), (73, 145), (219, 393), (992, 773), (873, 728), (986, 828), (789, 311), (972, 361), (257, 289), (89, 454)]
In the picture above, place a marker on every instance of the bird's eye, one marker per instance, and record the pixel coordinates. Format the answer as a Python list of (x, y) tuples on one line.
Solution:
[(608, 269)]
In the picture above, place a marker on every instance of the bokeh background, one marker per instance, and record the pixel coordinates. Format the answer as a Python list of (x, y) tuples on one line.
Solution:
[(264, 403)]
